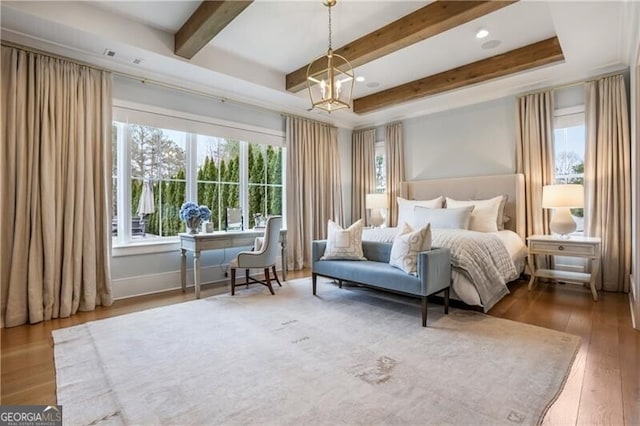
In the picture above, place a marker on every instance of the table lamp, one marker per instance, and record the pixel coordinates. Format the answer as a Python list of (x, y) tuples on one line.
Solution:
[(377, 203), (562, 197)]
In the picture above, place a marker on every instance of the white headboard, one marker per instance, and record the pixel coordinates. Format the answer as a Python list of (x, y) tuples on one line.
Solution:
[(476, 188)]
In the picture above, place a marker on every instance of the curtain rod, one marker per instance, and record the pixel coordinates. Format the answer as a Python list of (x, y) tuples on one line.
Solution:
[(143, 80), (573, 83)]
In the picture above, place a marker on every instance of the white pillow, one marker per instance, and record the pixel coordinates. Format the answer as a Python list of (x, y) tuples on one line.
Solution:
[(444, 218), (405, 209), (486, 215), (406, 246), (344, 244)]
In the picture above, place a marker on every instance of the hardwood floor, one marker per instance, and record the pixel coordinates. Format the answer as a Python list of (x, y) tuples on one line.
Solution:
[(603, 387)]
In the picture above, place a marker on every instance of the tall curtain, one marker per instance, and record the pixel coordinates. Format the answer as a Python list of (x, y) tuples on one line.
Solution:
[(56, 187), (608, 178), (394, 150), (363, 155), (535, 155), (314, 186)]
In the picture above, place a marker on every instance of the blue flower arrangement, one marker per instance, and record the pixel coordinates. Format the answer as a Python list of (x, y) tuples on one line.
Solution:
[(191, 210), (193, 215)]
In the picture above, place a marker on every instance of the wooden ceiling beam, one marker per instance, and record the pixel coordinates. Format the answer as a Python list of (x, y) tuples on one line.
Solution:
[(205, 23), (425, 22), (531, 56)]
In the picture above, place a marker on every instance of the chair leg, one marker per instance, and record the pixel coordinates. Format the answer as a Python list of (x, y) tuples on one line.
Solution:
[(446, 300), (314, 280), (424, 311), (233, 281), (275, 275), (340, 283), (246, 276), (268, 280)]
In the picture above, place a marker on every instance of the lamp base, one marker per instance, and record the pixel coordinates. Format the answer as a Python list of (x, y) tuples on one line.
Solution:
[(376, 218), (562, 222)]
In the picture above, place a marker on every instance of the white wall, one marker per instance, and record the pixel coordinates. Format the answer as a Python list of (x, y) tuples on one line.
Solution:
[(151, 94), (474, 140), (470, 141)]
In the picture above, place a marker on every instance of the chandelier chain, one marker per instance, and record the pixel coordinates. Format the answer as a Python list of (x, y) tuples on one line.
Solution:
[(329, 26)]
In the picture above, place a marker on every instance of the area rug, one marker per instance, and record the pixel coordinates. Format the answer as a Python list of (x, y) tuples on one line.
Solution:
[(347, 356)]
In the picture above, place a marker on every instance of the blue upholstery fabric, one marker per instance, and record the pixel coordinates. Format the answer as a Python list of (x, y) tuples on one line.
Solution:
[(434, 269)]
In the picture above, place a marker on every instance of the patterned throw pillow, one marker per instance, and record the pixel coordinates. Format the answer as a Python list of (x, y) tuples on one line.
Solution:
[(406, 246), (344, 244)]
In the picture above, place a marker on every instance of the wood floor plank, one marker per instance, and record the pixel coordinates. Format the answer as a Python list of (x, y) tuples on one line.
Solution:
[(603, 386), (565, 410), (629, 350), (601, 399)]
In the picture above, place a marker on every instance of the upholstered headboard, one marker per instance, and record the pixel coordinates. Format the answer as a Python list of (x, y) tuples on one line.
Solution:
[(476, 188)]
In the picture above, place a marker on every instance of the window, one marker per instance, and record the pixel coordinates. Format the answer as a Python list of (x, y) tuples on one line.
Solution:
[(218, 177), (569, 144), (172, 157), (381, 168)]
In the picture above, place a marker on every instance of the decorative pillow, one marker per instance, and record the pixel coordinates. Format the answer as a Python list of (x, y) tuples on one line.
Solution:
[(444, 218), (487, 216), (406, 246), (344, 244), (405, 209)]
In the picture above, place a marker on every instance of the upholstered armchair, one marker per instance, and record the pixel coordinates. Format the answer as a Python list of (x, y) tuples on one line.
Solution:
[(263, 257)]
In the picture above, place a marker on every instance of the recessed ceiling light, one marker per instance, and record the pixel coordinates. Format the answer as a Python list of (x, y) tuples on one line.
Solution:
[(482, 33), (360, 78), (373, 84)]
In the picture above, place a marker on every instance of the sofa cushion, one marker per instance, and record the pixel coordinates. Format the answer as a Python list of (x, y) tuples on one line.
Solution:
[(344, 244), (376, 274)]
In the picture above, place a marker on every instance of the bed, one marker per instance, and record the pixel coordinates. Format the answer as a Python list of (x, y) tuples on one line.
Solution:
[(484, 293)]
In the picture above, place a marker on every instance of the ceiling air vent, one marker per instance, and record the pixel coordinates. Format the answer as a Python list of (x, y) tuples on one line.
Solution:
[(137, 61), (109, 52)]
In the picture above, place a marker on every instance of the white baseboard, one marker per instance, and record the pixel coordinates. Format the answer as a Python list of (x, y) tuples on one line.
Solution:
[(124, 288), (634, 303)]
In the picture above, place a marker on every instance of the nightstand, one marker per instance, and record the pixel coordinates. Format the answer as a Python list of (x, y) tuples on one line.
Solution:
[(552, 245)]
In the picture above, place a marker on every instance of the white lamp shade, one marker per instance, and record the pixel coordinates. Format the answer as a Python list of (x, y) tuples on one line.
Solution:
[(376, 201), (563, 195)]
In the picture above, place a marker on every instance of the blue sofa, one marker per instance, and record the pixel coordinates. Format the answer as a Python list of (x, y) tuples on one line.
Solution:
[(434, 272)]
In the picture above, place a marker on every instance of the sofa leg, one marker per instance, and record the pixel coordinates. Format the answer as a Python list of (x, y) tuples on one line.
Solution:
[(446, 300), (424, 311), (340, 283), (314, 279)]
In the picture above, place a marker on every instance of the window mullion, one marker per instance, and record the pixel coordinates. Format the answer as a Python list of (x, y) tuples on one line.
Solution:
[(244, 183), (192, 167), (124, 184)]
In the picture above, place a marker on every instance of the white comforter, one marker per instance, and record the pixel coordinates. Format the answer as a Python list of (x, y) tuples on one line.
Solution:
[(481, 259)]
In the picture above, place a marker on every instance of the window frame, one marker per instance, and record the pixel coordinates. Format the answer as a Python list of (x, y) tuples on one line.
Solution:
[(380, 151), (192, 125), (564, 118)]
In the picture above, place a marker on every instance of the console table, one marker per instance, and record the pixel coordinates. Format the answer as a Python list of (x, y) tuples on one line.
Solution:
[(197, 243)]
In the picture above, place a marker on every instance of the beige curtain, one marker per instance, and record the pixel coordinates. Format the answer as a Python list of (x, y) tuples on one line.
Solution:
[(314, 186), (56, 187), (394, 150), (608, 178), (363, 172), (535, 155)]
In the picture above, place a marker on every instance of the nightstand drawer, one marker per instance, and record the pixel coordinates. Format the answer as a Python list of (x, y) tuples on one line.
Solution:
[(562, 248)]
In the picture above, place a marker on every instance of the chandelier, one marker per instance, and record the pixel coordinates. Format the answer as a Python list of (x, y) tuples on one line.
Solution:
[(330, 78)]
